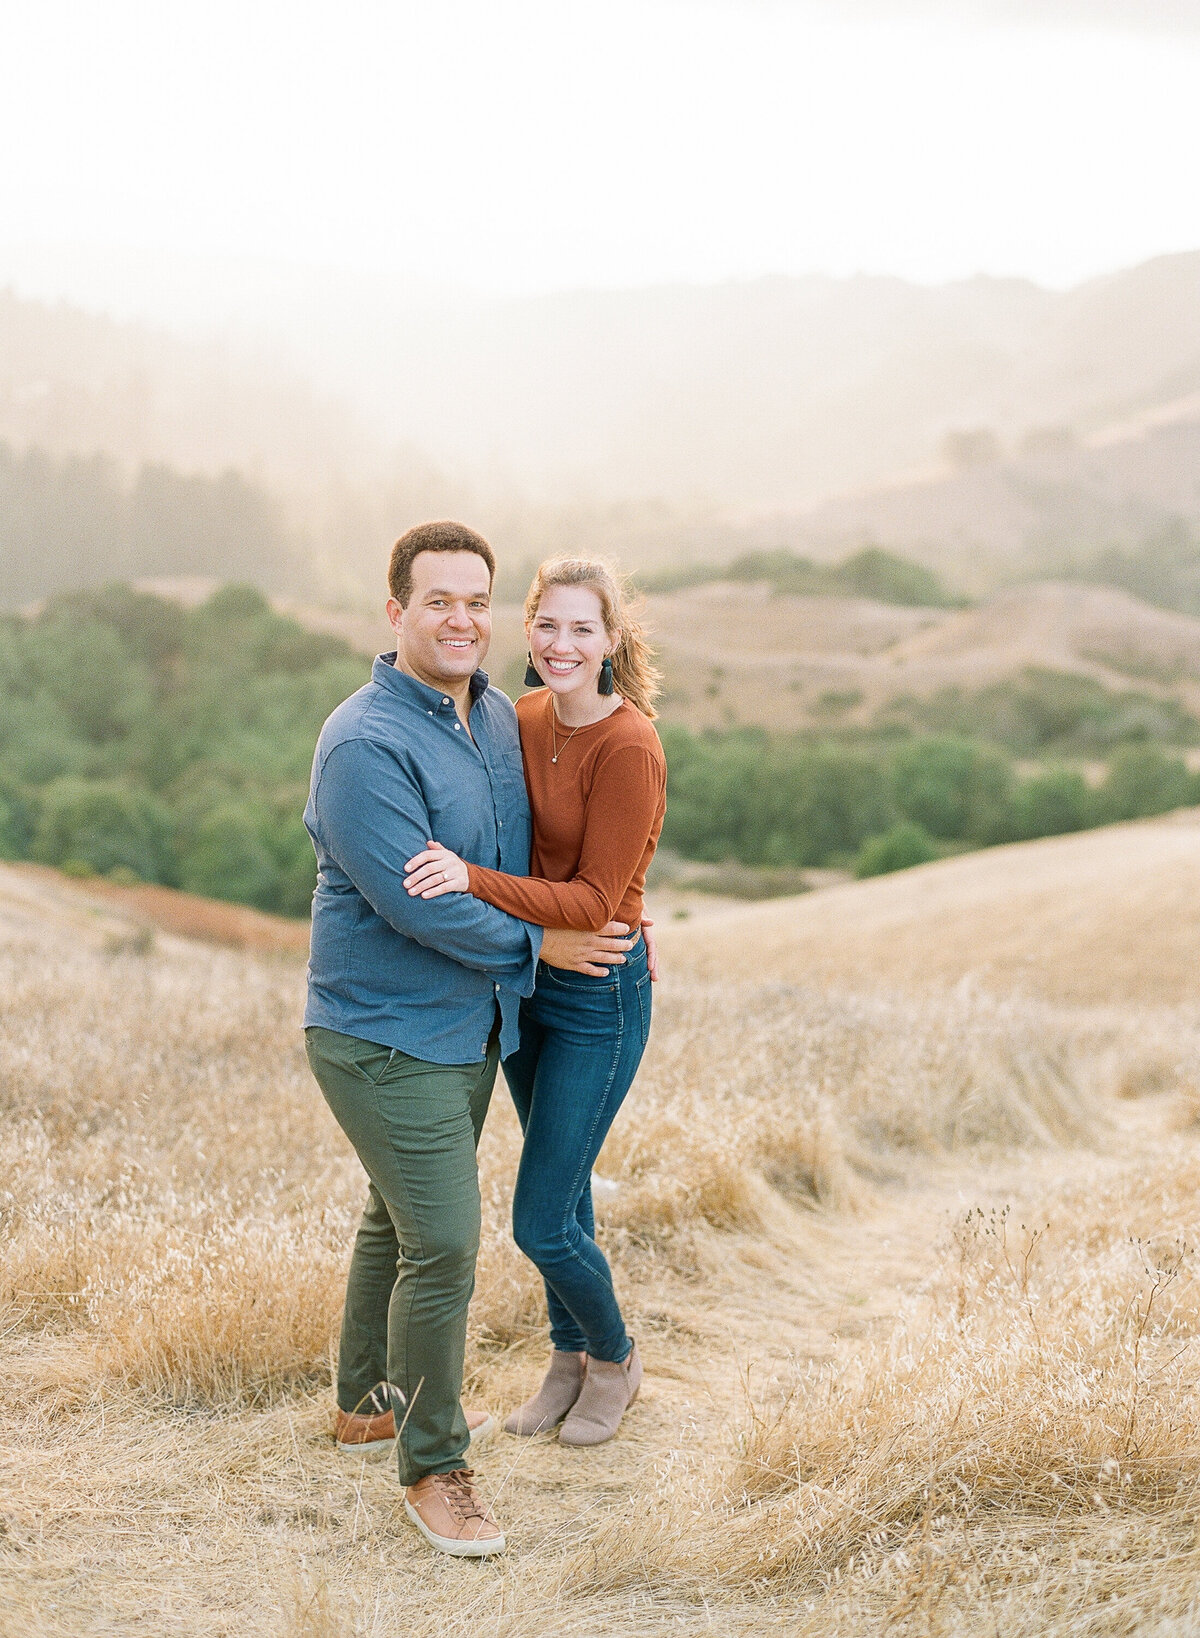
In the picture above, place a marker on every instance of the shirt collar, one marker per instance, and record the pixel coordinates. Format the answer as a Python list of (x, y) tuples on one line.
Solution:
[(415, 692)]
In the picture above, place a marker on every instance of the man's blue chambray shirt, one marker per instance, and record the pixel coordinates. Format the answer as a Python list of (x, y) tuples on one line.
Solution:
[(394, 767)]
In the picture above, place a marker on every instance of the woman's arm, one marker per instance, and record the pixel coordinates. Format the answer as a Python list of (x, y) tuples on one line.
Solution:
[(622, 811)]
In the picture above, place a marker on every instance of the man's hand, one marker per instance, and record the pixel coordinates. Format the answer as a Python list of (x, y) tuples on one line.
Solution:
[(580, 952), (651, 949)]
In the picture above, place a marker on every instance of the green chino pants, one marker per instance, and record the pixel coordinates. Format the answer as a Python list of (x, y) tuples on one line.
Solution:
[(415, 1127)]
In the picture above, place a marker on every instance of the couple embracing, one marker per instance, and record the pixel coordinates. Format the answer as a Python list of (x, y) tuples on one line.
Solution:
[(479, 899)]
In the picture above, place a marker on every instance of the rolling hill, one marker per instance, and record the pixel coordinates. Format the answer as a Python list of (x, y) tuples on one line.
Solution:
[(1053, 501), (737, 654), (77, 382), (731, 401), (753, 395), (1112, 916), (1107, 916)]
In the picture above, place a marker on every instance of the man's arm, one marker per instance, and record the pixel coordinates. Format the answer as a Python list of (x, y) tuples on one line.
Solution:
[(370, 818)]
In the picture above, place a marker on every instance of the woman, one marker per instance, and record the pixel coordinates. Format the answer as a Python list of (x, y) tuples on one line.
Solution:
[(597, 787)]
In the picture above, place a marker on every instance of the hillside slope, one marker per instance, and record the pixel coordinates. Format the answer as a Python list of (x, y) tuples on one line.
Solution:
[(733, 654), (876, 1403), (753, 396), (74, 382), (1109, 916), (736, 654), (758, 393), (1034, 509)]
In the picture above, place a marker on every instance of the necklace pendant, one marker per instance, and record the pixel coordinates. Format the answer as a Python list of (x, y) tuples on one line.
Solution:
[(554, 759)]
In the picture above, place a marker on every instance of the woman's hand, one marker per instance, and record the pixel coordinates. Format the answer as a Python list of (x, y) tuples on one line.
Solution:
[(434, 872), (651, 949)]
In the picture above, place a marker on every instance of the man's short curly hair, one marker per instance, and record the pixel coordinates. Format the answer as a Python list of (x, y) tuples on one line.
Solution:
[(444, 536)]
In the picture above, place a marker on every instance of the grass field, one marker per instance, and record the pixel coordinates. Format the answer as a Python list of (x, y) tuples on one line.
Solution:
[(906, 1238)]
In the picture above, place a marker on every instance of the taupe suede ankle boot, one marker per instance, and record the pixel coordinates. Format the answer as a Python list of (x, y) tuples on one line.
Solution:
[(553, 1399), (608, 1391)]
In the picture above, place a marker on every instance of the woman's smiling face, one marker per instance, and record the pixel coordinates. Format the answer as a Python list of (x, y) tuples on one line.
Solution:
[(567, 639)]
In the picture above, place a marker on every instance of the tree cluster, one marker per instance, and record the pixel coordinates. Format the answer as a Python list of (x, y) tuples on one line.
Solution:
[(76, 521), (167, 745)]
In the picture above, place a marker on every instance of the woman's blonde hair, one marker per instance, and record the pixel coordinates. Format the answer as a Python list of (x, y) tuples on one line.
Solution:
[(635, 676)]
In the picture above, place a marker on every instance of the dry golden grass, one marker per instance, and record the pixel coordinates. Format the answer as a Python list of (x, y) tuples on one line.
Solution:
[(135, 911), (875, 1402), (1113, 913)]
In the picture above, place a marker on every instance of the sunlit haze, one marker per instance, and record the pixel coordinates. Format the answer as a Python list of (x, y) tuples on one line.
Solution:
[(533, 146)]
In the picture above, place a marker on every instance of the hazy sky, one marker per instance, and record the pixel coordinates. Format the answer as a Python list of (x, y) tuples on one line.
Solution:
[(531, 144)]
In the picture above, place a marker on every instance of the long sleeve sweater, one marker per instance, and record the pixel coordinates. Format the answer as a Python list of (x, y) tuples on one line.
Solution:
[(597, 814)]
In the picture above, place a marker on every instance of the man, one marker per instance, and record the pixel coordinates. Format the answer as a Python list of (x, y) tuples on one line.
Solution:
[(412, 1002)]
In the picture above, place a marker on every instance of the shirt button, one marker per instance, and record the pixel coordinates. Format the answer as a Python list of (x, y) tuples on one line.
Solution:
[(445, 699), (500, 822), (457, 726)]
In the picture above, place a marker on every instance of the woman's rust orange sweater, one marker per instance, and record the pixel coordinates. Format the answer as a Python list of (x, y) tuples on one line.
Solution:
[(597, 814)]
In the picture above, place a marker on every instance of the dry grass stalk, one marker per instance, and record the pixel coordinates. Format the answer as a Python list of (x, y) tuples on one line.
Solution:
[(1002, 1441)]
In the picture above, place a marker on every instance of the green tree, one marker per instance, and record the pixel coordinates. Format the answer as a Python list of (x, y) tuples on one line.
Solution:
[(296, 864), (1051, 804), (1143, 781), (742, 796), (15, 821), (228, 858), (890, 579), (905, 845), (954, 788), (105, 824), (84, 665)]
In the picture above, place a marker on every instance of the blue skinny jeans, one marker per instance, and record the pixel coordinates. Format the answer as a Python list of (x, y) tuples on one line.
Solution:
[(582, 1040)]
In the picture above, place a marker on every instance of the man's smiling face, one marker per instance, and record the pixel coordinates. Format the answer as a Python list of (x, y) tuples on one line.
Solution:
[(443, 633)]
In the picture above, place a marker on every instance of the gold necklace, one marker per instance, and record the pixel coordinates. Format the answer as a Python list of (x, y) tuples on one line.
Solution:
[(554, 734)]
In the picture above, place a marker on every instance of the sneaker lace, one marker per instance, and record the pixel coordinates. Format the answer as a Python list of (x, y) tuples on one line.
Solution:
[(461, 1495)]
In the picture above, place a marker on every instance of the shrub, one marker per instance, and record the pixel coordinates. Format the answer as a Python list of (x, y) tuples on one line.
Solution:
[(227, 858), (1043, 711), (84, 666), (15, 821), (871, 572), (953, 788), (104, 824), (1052, 803), (905, 845), (296, 865), (743, 796), (891, 579), (1143, 781)]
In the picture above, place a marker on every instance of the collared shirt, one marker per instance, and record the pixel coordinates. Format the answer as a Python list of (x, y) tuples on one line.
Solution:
[(394, 769)]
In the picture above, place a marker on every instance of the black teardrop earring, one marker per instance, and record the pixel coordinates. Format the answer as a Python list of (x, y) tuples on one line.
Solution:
[(605, 684), (532, 680)]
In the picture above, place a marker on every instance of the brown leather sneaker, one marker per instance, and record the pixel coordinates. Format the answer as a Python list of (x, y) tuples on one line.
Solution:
[(371, 1437), (449, 1512), (479, 1424), (365, 1436)]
